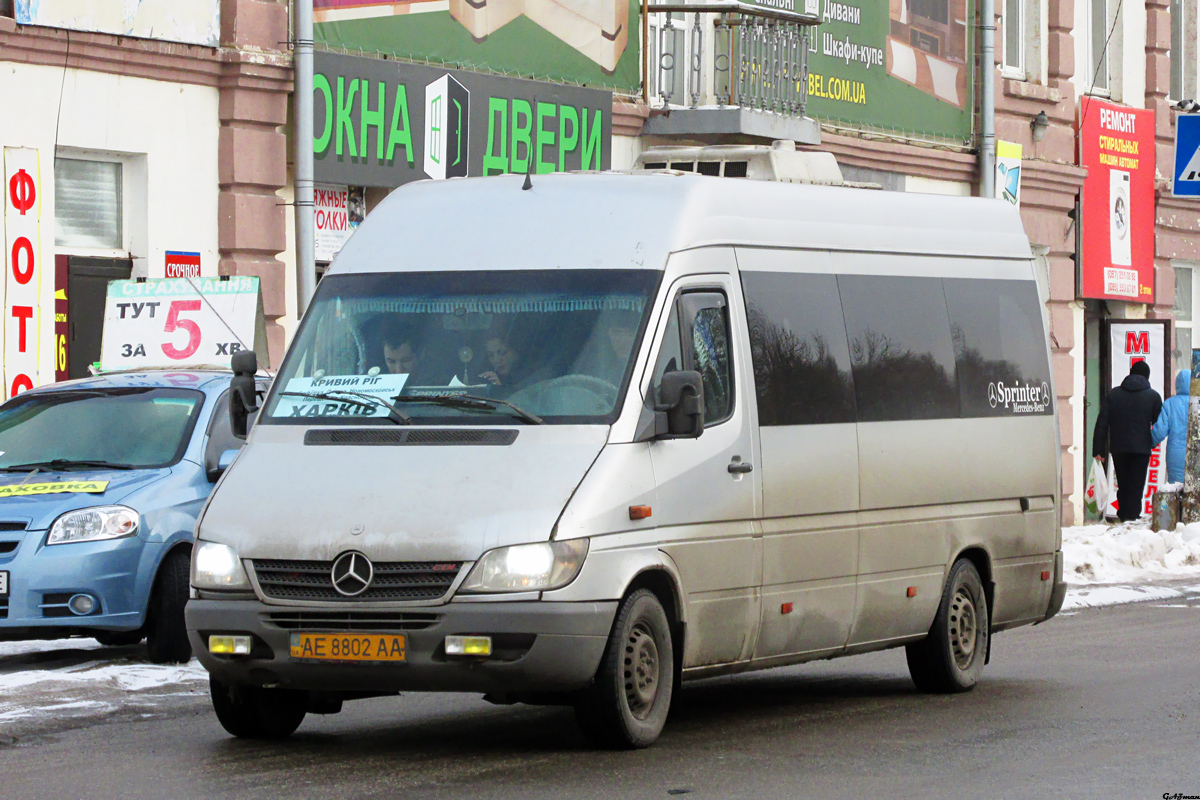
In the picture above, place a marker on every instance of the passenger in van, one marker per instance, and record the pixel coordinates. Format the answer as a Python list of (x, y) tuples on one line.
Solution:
[(511, 370), (1172, 426), (1123, 428), (403, 352)]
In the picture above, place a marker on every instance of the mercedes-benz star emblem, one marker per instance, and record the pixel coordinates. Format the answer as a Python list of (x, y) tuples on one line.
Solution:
[(352, 573)]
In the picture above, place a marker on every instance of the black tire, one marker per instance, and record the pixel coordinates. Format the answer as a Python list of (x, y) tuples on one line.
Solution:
[(118, 638), (951, 658), (166, 631), (626, 707), (252, 712)]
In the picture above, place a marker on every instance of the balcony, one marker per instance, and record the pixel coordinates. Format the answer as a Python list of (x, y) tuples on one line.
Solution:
[(722, 69)]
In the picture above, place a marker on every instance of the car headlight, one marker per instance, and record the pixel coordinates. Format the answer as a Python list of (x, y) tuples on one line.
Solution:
[(217, 566), (94, 524), (527, 567)]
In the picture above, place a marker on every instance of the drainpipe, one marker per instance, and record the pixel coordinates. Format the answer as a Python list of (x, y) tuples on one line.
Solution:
[(987, 100), (306, 269)]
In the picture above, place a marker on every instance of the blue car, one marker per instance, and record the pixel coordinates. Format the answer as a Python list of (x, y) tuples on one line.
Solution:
[(101, 480)]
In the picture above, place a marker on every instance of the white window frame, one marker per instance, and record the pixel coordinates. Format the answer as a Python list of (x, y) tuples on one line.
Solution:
[(1185, 50), (1097, 80), (133, 203), (1032, 60), (1012, 64)]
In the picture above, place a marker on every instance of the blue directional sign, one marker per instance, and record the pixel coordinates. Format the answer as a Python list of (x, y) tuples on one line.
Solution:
[(1187, 156)]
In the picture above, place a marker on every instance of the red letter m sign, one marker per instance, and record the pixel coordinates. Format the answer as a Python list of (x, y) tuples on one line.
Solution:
[(1137, 342)]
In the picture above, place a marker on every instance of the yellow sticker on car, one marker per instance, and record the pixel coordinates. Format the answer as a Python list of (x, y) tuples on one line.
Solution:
[(58, 487)]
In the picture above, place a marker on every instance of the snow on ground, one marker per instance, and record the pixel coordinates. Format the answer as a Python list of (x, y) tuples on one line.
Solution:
[(61, 679), (1126, 563)]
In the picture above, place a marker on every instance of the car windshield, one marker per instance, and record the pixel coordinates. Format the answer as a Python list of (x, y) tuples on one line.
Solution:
[(130, 427), (498, 347)]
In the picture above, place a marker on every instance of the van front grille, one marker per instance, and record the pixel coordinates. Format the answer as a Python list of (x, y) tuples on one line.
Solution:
[(7, 547), (392, 580), (352, 620)]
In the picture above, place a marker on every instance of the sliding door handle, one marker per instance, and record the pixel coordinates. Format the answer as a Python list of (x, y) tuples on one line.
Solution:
[(739, 467)]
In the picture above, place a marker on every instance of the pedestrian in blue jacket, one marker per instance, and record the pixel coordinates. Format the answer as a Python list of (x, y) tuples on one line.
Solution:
[(1172, 425)]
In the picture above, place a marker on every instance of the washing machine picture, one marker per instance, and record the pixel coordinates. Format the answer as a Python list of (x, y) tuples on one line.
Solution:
[(1119, 213)]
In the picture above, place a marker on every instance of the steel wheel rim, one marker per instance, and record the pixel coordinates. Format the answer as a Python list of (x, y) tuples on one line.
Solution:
[(641, 670), (964, 628)]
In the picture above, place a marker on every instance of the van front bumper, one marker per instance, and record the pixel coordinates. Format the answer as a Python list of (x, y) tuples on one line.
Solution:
[(548, 647)]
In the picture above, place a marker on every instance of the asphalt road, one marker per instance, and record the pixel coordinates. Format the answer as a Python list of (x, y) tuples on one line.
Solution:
[(1102, 703)]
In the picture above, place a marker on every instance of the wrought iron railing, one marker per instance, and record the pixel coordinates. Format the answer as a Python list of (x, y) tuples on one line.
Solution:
[(727, 54)]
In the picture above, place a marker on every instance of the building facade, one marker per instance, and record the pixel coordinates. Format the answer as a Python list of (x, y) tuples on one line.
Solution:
[(142, 146)]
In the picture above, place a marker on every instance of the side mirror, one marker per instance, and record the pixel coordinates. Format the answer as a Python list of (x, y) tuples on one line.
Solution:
[(223, 463), (242, 397), (680, 412)]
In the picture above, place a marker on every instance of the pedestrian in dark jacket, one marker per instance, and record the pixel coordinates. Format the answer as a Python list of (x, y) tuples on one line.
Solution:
[(1123, 429)]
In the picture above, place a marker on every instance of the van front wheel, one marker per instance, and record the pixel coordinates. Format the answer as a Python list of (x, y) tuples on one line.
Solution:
[(950, 658), (252, 712), (626, 707)]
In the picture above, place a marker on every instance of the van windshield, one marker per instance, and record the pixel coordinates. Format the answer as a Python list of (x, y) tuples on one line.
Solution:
[(485, 347)]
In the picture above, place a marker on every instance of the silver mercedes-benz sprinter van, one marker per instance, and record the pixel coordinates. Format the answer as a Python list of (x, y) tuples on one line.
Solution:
[(579, 442)]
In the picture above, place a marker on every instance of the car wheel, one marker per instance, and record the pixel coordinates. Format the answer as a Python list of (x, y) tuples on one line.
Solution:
[(626, 707), (252, 712), (951, 658), (118, 638), (166, 632)]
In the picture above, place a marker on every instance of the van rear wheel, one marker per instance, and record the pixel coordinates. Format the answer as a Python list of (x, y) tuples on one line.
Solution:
[(951, 658), (252, 712), (626, 707)]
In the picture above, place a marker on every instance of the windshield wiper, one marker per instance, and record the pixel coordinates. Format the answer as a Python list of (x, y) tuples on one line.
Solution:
[(67, 464), (473, 402), (367, 401)]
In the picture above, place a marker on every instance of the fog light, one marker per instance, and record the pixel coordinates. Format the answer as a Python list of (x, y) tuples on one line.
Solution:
[(82, 604), (468, 645), (230, 645)]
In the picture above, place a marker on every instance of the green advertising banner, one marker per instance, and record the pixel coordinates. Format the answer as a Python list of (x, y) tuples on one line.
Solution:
[(585, 42), (898, 65)]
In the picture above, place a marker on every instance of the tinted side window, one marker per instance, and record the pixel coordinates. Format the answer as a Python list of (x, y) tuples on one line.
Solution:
[(701, 343), (709, 317), (900, 347), (1000, 347), (798, 345)]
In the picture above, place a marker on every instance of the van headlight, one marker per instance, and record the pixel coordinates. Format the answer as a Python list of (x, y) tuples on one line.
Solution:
[(94, 524), (527, 567), (217, 566)]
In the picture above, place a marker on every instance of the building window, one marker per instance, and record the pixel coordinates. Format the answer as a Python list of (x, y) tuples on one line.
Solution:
[(1014, 29), (88, 204), (1098, 43), (1184, 55), (1185, 301)]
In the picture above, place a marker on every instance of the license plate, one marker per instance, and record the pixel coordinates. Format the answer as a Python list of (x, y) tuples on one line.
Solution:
[(3, 584), (348, 646)]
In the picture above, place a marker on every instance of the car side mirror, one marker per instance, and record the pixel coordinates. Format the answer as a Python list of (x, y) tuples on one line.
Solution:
[(242, 397), (680, 410), (226, 458)]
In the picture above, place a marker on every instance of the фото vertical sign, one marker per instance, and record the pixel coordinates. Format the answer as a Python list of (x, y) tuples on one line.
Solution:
[(1116, 144), (22, 277), (1131, 341)]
